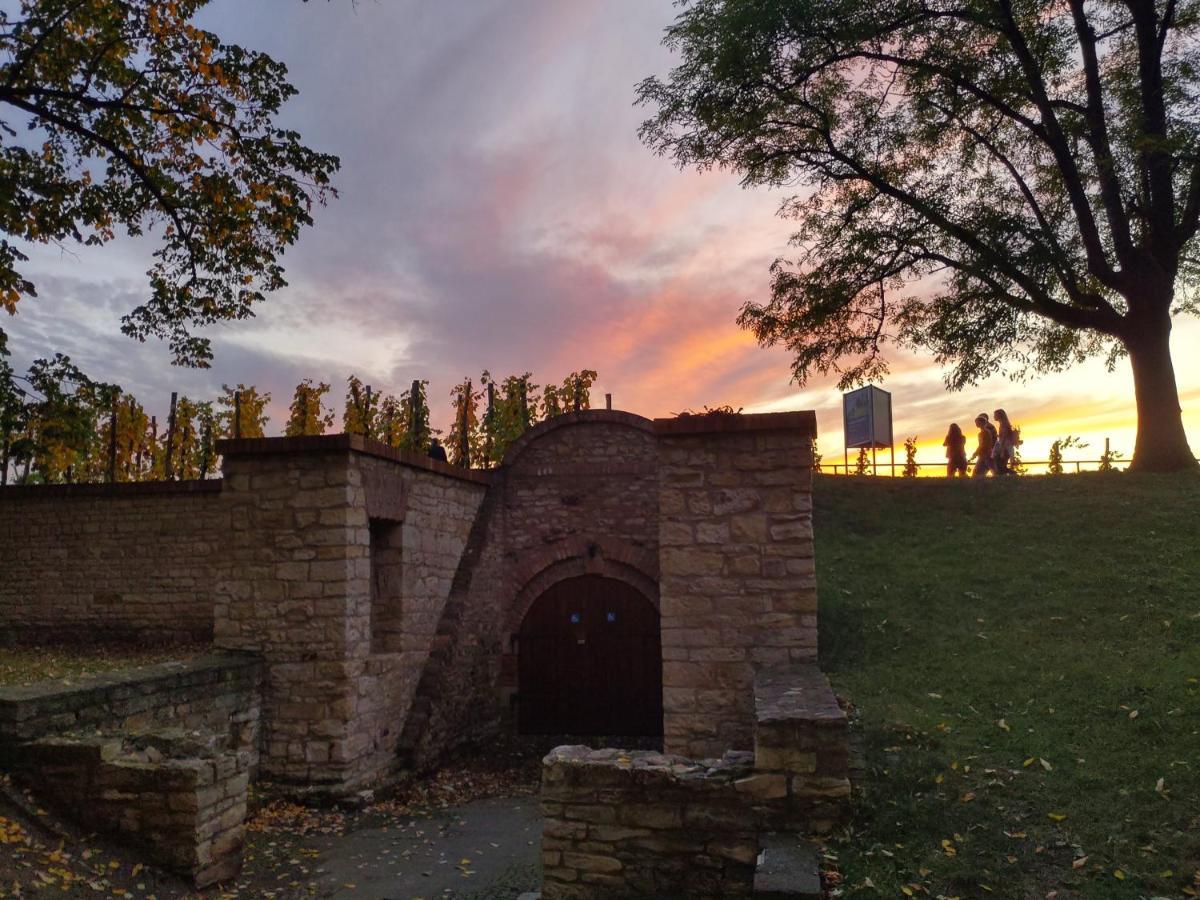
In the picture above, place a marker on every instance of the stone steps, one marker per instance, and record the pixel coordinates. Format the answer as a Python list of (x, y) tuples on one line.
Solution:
[(787, 868)]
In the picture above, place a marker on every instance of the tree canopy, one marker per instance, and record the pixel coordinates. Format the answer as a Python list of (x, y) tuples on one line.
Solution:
[(123, 114), (1011, 184)]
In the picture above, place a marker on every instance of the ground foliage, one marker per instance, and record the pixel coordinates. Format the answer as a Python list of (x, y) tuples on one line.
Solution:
[(22, 665), (1021, 658), (43, 855)]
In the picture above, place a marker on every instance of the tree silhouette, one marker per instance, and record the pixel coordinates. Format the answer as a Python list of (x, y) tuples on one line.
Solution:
[(1007, 183)]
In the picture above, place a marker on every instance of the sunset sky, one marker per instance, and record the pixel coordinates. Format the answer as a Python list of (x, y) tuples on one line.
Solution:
[(498, 211)]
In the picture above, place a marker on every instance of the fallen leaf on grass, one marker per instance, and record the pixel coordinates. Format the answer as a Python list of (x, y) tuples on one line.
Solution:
[(1079, 863), (1057, 817)]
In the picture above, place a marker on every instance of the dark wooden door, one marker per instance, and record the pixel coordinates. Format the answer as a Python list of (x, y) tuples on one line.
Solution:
[(590, 661)]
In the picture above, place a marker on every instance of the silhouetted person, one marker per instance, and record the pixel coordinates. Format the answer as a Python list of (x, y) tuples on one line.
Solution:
[(985, 444), (436, 450), (956, 451), (1006, 443)]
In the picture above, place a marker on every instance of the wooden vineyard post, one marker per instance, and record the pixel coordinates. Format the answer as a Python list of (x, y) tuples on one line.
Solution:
[(464, 425), (186, 435), (133, 441), (112, 441), (524, 405), (608, 401), (207, 438), (366, 416), (153, 444), (237, 414), (578, 399), (169, 465), (414, 399), (491, 422)]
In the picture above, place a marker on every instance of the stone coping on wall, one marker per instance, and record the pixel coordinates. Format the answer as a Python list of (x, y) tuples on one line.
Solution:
[(31, 711), (790, 694), (115, 490), (575, 417), (178, 797), (734, 765), (330, 443), (725, 422)]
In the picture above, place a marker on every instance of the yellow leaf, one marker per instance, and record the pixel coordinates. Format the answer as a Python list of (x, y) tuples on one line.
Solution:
[(1057, 817), (1029, 762), (1003, 725), (906, 890), (1118, 874)]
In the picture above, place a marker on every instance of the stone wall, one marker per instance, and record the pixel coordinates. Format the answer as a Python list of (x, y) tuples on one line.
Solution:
[(161, 756), (621, 823), (115, 562), (737, 584), (801, 739), (299, 591), (633, 823), (178, 798), (576, 495), (218, 693)]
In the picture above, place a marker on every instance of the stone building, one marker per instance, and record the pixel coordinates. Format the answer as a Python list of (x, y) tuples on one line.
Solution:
[(390, 595), (615, 575)]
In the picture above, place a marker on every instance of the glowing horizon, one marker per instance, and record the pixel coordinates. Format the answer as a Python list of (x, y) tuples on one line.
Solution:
[(498, 212)]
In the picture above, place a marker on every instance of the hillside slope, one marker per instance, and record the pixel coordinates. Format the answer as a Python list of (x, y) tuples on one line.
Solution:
[(1024, 662)]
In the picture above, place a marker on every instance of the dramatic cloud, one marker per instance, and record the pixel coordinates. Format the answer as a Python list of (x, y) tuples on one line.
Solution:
[(498, 211)]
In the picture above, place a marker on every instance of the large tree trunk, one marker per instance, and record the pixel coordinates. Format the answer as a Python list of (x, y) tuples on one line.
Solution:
[(1162, 444)]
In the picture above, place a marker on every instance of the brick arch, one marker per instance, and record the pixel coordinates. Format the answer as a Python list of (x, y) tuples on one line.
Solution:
[(608, 557), (582, 417)]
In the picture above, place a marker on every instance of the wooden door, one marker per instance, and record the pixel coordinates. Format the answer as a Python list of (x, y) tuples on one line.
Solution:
[(590, 661)]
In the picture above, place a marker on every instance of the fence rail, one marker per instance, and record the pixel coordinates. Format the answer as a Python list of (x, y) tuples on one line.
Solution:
[(873, 467)]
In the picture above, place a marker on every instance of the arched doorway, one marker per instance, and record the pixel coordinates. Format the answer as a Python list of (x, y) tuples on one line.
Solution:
[(590, 661)]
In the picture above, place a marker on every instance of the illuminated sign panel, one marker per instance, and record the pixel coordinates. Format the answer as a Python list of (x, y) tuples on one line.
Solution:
[(867, 417)]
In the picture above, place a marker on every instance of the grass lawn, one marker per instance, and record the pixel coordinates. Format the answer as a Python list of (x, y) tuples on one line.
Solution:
[(27, 665), (1023, 658)]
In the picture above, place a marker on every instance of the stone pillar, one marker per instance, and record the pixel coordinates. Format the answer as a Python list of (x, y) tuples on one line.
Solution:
[(296, 589), (737, 583)]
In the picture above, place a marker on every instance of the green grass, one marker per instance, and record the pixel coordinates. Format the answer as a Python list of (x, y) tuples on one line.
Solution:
[(979, 629)]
